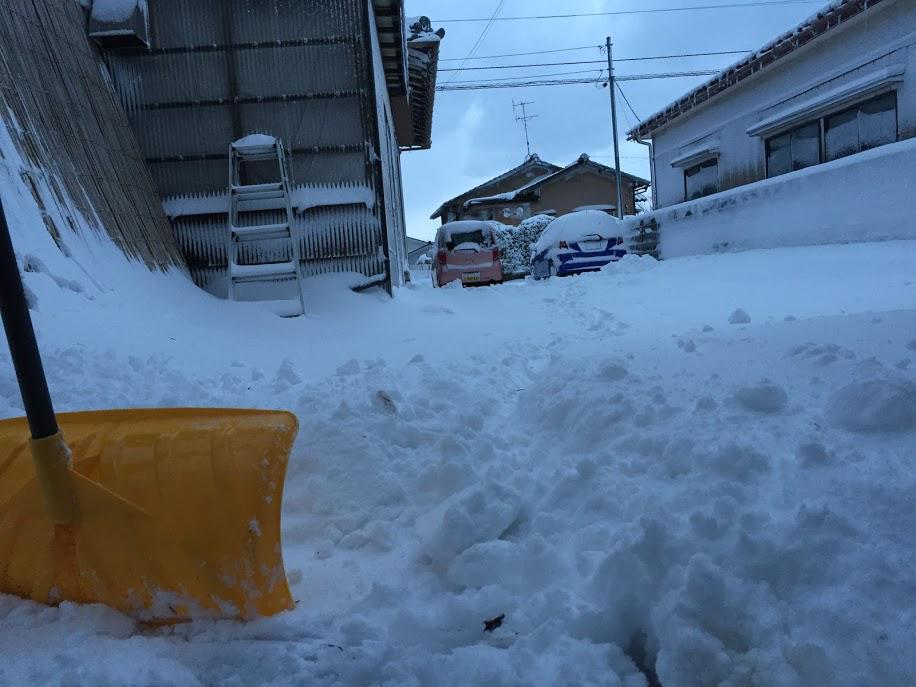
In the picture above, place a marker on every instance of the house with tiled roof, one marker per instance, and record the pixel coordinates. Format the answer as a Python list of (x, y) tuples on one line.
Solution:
[(537, 187), (840, 83)]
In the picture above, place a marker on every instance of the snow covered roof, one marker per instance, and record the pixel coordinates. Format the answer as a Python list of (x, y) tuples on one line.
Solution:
[(831, 16), (531, 161), (422, 71), (582, 161)]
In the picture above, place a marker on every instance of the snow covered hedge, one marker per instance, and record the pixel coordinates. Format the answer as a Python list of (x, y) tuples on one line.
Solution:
[(515, 243)]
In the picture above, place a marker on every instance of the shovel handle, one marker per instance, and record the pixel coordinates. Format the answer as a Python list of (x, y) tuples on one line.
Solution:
[(21, 338)]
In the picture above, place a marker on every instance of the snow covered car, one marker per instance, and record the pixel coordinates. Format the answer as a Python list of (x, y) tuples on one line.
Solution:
[(466, 251), (582, 241)]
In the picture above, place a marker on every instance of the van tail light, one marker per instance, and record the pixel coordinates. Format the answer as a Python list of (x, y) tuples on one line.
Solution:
[(563, 244), (495, 254), (440, 257)]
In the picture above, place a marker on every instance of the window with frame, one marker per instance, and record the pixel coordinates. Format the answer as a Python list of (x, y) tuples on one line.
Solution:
[(702, 179), (867, 125), (793, 150)]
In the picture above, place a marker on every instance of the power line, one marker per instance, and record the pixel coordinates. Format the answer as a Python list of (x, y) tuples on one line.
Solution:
[(686, 54), (523, 66), (625, 59), (519, 54), (627, 101), (483, 34), (522, 84), (658, 10), (484, 84), (596, 72)]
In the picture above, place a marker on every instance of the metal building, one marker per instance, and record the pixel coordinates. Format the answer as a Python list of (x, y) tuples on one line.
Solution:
[(345, 84)]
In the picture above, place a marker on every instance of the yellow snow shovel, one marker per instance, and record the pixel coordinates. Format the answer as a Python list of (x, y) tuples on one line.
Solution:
[(163, 514)]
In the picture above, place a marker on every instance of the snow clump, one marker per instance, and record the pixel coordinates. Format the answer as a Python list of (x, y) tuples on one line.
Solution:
[(740, 316), (877, 405)]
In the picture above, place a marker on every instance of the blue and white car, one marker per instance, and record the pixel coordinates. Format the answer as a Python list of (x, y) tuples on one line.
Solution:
[(583, 241)]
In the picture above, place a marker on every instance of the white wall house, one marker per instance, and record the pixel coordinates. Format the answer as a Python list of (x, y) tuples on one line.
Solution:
[(839, 84)]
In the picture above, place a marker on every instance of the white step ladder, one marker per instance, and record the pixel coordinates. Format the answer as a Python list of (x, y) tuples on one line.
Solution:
[(248, 204)]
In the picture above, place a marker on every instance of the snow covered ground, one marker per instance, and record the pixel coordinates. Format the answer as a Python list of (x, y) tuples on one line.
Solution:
[(630, 470)]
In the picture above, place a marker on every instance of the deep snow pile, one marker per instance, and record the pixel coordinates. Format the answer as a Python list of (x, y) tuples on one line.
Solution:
[(632, 480)]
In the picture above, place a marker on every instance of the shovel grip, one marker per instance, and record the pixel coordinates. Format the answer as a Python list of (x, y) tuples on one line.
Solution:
[(21, 337), (52, 469)]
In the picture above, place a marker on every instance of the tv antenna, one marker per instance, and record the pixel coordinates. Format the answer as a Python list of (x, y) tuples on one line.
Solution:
[(523, 118)]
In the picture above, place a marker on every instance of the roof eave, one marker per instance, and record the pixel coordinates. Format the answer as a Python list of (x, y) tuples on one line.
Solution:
[(389, 21), (825, 20)]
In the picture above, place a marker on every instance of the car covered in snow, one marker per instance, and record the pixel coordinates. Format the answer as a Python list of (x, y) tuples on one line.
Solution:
[(582, 241), (466, 251)]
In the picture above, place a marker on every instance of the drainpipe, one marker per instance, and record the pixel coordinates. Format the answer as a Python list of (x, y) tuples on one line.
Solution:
[(648, 144)]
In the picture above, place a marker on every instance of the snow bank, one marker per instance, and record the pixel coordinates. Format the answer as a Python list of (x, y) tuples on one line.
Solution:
[(878, 405), (541, 451), (794, 210)]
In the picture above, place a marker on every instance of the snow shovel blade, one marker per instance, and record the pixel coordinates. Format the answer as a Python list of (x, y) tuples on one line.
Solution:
[(178, 514)]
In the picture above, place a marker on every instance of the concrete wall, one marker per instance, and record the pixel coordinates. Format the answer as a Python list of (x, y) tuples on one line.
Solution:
[(836, 202), (882, 36), (79, 153)]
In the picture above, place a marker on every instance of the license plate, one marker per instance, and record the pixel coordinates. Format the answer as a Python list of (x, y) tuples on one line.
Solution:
[(470, 277), (592, 246)]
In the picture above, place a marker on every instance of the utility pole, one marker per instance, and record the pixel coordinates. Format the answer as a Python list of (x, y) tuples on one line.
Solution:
[(524, 119), (612, 86)]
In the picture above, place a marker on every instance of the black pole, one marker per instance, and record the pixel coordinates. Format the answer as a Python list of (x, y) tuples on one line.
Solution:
[(21, 337)]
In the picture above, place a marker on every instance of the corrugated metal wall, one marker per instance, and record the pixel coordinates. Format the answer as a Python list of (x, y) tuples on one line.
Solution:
[(62, 116), (297, 69)]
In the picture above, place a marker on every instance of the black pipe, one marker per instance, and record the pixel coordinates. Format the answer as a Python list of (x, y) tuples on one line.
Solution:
[(21, 338)]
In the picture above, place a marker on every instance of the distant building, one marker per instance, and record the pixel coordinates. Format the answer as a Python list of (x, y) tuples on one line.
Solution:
[(416, 249), (346, 85), (539, 187), (840, 83)]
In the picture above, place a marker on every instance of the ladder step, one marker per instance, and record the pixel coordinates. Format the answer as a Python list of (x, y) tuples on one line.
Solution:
[(262, 232), (264, 272), (265, 156), (257, 188), (252, 195)]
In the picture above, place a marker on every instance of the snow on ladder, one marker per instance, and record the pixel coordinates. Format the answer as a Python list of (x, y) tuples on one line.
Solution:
[(253, 241)]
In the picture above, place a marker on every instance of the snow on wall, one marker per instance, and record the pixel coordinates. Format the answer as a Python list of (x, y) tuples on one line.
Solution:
[(884, 36), (302, 196), (61, 251), (866, 197)]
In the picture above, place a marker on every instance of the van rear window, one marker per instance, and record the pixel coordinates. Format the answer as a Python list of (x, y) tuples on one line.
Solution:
[(459, 237)]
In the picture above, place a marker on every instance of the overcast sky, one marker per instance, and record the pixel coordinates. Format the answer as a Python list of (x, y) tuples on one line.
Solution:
[(475, 135)]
